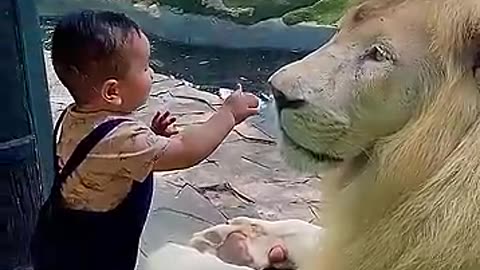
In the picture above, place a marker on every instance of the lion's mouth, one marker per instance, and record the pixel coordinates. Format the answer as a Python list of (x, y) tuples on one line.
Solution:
[(320, 157)]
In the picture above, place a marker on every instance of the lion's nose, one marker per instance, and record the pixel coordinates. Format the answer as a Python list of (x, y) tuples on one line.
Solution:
[(284, 102)]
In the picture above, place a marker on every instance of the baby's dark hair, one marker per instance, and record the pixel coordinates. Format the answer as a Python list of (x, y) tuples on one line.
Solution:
[(87, 47)]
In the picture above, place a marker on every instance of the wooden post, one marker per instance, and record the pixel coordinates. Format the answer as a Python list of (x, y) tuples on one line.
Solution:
[(25, 136)]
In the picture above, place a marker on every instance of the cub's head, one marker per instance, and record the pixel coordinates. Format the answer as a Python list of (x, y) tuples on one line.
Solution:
[(376, 74)]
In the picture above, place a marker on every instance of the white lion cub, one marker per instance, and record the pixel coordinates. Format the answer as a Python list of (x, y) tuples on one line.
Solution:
[(177, 257), (208, 252)]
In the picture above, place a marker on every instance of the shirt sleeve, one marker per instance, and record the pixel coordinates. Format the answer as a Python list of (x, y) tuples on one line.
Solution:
[(134, 148)]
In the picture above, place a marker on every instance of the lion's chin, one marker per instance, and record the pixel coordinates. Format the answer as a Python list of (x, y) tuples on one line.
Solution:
[(306, 161)]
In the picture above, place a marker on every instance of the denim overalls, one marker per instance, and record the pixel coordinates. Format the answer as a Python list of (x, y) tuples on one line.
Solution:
[(83, 240)]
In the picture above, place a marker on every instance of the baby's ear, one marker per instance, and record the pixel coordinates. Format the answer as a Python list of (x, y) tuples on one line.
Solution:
[(110, 92)]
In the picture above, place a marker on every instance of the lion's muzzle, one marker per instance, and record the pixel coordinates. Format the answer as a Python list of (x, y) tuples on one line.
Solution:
[(282, 101)]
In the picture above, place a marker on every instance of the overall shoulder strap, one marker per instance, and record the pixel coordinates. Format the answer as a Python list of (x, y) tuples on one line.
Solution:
[(58, 124), (56, 131), (86, 145)]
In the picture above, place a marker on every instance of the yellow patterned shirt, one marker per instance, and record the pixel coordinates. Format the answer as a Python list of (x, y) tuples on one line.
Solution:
[(127, 154)]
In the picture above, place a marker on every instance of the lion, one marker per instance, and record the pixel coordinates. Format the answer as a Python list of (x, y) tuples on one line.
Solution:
[(388, 111)]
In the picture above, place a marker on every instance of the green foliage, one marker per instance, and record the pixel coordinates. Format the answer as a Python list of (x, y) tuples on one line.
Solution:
[(190, 6), (265, 9), (240, 11), (253, 11), (323, 12)]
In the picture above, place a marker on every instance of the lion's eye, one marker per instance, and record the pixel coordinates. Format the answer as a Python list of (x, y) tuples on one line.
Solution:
[(379, 53)]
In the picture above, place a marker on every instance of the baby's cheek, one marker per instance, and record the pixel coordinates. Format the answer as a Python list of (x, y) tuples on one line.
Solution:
[(144, 85), (148, 82)]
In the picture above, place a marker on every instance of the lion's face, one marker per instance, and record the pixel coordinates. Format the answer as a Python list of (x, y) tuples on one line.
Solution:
[(361, 86)]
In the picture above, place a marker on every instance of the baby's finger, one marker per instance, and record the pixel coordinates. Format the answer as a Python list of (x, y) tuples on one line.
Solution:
[(251, 100), (239, 87), (236, 93), (173, 132), (155, 118), (252, 111), (171, 121), (164, 116)]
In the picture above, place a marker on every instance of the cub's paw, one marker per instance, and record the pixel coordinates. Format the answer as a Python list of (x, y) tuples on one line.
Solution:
[(177, 257), (246, 241), (227, 242), (296, 239)]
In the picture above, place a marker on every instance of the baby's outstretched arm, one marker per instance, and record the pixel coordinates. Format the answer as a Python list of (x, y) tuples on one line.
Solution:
[(189, 148)]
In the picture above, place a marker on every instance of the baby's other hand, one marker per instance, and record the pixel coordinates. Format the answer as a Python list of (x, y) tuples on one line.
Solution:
[(162, 124), (242, 105)]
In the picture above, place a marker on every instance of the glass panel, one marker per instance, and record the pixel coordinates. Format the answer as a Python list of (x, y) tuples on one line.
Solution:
[(218, 45), (204, 48)]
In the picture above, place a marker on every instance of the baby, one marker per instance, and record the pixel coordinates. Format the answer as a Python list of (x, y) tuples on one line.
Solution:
[(99, 202)]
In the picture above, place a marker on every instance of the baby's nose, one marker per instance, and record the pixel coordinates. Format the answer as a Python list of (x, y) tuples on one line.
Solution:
[(151, 72)]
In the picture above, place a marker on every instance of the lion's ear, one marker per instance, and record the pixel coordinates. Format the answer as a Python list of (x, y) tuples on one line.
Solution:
[(475, 36), (456, 32), (472, 34), (476, 64)]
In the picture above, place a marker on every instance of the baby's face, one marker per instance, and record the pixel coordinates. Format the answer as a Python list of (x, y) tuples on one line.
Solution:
[(138, 80)]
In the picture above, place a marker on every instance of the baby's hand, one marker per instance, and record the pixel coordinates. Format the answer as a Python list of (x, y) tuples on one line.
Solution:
[(241, 105), (162, 124)]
